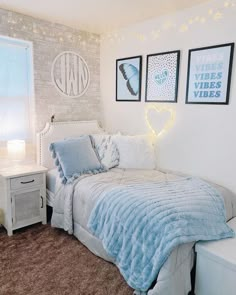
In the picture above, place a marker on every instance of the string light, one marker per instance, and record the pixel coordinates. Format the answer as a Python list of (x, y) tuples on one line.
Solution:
[(13, 20), (183, 28), (215, 14), (160, 109), (211, 14), (156, 34), (202, 20), (218, 15), (191, 21), (210, 11), (141, 37), (168, 25)]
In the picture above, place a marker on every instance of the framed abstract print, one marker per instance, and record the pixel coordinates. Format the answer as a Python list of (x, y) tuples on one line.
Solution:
[(209, 74), (128, 78), (162, 74)]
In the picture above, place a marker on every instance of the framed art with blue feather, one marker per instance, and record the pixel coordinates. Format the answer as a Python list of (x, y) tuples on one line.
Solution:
[(128, 78), (162, 77)]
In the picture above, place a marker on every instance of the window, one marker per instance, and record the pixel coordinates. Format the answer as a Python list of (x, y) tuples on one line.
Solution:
[(16, 86)]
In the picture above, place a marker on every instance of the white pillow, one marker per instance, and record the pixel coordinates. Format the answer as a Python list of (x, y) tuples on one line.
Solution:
[(136, 152), (106, 149)]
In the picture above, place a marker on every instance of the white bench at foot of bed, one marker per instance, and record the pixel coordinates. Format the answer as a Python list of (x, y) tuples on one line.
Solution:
[(216, 266)]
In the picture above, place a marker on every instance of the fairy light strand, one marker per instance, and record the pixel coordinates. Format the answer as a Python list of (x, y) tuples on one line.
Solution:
[(160, 109), (211, 14)]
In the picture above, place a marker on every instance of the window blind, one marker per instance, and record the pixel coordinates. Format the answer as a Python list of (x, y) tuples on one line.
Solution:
[(14, 91)]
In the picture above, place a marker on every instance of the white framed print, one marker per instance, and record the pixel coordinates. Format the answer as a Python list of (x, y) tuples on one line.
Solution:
[(209, 74)]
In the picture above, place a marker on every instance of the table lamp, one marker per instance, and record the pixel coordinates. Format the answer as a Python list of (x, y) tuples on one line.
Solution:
[(16, 150)]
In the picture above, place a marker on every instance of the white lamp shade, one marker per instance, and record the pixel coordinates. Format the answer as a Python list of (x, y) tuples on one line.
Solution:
[(16, 150)]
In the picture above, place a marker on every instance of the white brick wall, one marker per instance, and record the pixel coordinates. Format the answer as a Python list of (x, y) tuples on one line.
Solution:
[(50, 39)]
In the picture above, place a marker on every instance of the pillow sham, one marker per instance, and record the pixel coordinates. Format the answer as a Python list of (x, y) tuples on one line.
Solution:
[(106, 150), (136, 152), (74, 157)]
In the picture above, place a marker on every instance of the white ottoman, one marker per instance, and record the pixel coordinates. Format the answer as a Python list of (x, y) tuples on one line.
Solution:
[(216, 266)]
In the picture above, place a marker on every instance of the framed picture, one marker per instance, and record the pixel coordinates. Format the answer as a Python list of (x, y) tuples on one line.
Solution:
[(162, 77), (209, 74), (128, 78)]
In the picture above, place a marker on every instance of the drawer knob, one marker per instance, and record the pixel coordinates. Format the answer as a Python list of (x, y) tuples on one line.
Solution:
[(25, 182)]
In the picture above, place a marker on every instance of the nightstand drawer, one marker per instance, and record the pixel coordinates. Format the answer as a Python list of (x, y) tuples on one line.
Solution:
[(26, 181)]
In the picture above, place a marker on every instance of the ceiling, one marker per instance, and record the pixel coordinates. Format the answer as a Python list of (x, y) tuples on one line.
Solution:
[(98, 16)]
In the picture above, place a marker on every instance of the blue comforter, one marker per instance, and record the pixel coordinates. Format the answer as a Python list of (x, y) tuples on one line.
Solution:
[(141, 224)]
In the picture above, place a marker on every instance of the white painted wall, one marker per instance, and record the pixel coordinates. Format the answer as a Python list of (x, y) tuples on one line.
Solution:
[(203, 139)]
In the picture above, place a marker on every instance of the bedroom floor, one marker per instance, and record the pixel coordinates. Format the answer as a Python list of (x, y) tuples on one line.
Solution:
[(43, 260)]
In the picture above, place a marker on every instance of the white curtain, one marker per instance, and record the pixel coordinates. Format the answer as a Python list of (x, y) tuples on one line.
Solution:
[(14, 92)]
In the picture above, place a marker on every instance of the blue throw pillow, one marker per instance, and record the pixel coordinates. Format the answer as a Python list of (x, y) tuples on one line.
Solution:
[(75, 157)]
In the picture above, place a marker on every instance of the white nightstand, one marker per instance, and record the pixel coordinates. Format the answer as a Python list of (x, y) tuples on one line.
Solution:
[(23, 196)]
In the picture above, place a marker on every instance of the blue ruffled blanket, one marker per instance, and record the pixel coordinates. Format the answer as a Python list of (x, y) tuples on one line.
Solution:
[(141, 224)]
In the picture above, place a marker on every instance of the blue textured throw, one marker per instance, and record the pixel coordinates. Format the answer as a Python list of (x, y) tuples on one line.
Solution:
[(141, 224)]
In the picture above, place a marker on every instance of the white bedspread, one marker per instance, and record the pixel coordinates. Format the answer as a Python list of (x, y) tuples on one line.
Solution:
[(74, 203)]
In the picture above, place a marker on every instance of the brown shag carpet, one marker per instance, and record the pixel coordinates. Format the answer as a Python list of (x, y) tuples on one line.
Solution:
[(43, 260)]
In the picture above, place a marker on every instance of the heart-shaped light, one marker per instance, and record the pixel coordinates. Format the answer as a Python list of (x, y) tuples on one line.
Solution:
[(160, 110), (161, 77)]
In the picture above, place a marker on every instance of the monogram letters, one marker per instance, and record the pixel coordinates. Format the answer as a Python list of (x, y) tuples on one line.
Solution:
[(70, 74)]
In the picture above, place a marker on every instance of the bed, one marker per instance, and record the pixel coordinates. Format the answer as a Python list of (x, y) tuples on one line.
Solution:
[(174, 276)]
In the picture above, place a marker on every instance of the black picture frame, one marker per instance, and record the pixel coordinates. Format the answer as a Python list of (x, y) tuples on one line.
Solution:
[(224, 100), (129, 79), (173, 78)]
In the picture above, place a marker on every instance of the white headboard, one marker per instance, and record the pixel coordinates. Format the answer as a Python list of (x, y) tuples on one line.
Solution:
[(58, 131)]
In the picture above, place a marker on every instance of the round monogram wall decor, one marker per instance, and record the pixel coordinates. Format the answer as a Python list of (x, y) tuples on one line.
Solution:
[(70, 74)]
